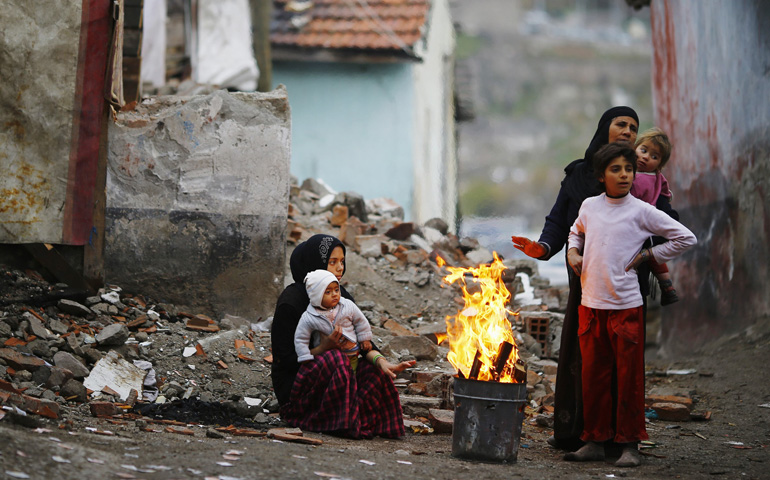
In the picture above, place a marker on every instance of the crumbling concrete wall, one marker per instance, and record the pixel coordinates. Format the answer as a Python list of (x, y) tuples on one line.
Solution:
[(197, 200), (711, 92)]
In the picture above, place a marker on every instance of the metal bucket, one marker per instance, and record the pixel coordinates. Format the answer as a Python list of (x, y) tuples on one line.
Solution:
[(488, 419)]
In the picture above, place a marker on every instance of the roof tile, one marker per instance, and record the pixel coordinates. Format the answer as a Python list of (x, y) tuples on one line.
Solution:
[(385, 25)]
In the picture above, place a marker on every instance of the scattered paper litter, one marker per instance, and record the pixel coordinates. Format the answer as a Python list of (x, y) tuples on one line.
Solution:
[(189, 351), (765, 405), (96, 461), (224, 464), (688, 371), (234, 452), (403, 462), (367, 462), (59, 459), (14, 474), (231, 457), (734, 443), (299, 456)]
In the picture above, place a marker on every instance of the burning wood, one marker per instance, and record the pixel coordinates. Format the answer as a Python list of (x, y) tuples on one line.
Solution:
[(475, 366), (480, 336), (503, 352)]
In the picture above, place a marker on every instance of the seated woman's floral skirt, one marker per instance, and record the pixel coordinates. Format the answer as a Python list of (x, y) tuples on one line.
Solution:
[(329, 397)]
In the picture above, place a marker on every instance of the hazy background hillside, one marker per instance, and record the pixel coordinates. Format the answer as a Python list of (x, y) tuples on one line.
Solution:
[(540, 73)]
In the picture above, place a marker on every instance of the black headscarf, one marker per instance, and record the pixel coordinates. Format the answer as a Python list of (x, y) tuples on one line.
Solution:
[(580, 182), (312, 254)]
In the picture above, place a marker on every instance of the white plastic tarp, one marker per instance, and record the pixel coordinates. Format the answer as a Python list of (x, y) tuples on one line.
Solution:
[(225, 53)]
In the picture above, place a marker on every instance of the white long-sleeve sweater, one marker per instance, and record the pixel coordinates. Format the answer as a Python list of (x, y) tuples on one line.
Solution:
[(355, 327), (609, 232)]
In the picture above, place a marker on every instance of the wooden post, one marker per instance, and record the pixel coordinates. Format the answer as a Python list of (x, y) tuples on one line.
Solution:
[(261, 11)]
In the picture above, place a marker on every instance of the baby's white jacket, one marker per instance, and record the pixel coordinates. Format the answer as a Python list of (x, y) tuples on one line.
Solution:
[(355, 327)]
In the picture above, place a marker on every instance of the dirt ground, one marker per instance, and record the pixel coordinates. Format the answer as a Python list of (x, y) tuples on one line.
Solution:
[(730, 381), (727, 378)]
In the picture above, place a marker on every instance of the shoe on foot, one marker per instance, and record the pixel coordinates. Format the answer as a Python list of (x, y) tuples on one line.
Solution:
[(667, 293), (590, 452), (629, 458), (552, 442)]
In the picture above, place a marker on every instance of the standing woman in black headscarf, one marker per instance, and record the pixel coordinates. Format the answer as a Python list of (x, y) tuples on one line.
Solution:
[(325, 395), (618, 124)]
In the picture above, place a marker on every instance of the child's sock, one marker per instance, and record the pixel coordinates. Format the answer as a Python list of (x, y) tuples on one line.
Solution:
[(590, 452), (630, 456)]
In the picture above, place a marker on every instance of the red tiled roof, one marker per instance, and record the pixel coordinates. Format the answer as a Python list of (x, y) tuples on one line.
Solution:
[(387, 26)]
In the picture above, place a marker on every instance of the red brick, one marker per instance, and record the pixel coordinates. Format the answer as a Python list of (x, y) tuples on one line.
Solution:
[(103, 409), (442, 421), (672, 412)]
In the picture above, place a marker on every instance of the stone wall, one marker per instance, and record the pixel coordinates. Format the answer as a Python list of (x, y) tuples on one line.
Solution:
[(197, 201), (711, 92)]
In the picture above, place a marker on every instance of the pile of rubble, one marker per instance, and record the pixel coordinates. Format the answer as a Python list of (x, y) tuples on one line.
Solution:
[(64, 355)]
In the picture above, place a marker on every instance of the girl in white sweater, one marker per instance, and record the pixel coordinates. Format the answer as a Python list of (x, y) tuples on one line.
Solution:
[(604, 250)]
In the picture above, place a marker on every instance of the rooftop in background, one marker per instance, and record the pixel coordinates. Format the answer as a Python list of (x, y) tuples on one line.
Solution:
[(388, 30)]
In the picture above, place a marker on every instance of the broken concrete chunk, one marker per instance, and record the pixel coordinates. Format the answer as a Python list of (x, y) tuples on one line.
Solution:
[(57, 327), (420, 347), (70, 362), (115, 334), (111, 297), (74, 390), (37, 328), (73, 308)]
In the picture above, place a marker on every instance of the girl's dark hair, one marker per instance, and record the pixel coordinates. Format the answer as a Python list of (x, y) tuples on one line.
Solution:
[(610, 152)]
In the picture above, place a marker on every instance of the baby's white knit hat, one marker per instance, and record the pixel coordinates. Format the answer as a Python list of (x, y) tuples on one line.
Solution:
[(316, 283)]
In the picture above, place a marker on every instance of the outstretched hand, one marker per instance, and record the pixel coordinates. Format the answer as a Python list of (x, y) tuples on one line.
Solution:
[(530, 248), (392, 370)]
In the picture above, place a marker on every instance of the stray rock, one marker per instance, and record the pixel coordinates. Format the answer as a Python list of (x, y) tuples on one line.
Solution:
[(70, 362), (74, 308), (115, 334), (420, 347), (74, 390)]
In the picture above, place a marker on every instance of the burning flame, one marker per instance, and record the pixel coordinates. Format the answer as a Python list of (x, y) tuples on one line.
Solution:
[(481, 343)]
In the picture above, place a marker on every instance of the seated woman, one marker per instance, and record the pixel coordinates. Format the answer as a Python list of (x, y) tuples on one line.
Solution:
[(325, 395)]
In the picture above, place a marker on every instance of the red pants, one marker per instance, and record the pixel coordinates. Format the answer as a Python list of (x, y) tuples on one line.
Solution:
[(612, 346)]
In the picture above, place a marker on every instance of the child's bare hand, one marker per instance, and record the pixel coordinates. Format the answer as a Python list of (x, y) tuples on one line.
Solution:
[(575, 261), (639, 259), (392, 370), (530, 248), (366, 345)]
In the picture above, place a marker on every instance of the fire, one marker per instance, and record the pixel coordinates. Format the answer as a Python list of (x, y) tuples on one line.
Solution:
[(481, 343)]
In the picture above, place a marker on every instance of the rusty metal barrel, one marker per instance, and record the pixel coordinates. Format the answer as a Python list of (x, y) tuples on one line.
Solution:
[(488, 420)]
